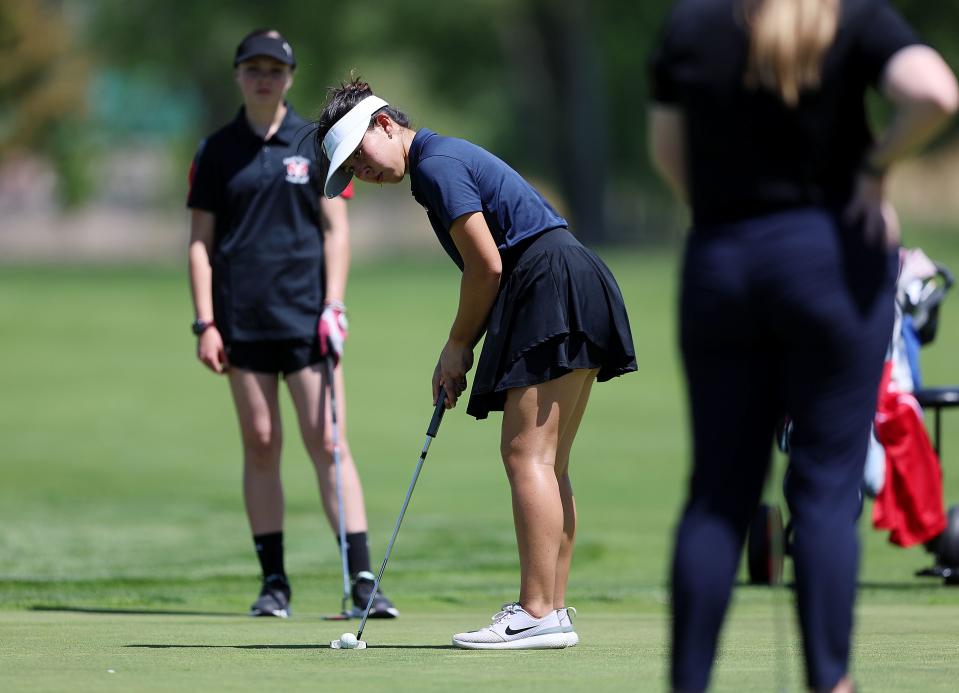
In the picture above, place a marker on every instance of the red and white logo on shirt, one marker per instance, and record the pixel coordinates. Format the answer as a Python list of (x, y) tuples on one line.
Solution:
[(297, 169)]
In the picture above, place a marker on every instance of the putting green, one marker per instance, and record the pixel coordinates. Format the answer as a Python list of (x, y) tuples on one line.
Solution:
[(125, 543)]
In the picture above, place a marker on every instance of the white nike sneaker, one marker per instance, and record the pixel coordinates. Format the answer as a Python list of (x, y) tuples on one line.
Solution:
[(514, 629), (565, 616)]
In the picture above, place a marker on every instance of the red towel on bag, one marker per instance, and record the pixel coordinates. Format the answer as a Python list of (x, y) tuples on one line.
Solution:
[(910, 503)]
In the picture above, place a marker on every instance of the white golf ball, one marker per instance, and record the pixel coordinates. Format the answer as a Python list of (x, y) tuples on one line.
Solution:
[(348, 641)]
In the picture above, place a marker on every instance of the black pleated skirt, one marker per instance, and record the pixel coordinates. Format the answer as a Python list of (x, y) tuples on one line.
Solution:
[(558, 309)]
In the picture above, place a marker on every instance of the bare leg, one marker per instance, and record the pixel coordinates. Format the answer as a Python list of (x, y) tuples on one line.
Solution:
[(311, 397), (258, 412), (845, 685), (534, 419), (566, 438)]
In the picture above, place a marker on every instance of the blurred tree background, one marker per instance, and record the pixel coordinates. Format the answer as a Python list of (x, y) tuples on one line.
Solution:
[(43, 88), (556, 87)]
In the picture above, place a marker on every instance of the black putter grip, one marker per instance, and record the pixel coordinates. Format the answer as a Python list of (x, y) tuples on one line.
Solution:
[(437, 414)]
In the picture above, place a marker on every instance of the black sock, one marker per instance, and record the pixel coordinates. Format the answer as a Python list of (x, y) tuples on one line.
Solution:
[(357, 553), (269, 549)]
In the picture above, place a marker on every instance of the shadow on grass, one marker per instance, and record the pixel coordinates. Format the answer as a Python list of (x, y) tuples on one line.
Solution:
[(285, 647), (133, 612), (923, 583)]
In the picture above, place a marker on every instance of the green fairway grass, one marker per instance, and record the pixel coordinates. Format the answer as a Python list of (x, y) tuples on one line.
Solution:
[(125, 547)]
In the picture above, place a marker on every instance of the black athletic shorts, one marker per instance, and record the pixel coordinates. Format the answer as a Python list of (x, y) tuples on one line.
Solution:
[(274, 356)]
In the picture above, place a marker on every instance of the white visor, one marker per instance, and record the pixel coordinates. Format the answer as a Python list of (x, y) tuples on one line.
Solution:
[(343, 139)]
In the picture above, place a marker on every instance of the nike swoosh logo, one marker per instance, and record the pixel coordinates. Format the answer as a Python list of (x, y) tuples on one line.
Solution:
[(510, 631)]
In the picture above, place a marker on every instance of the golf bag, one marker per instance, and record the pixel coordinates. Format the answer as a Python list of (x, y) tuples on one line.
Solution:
[(902, 470)]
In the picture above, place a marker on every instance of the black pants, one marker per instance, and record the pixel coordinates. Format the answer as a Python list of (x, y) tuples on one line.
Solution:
[(784, 313)]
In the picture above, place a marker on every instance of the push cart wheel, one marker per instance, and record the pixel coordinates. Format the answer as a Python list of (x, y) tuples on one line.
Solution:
[(948, 544)]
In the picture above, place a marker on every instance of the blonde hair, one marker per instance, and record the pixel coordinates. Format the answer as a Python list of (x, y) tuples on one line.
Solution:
[(788, 40)]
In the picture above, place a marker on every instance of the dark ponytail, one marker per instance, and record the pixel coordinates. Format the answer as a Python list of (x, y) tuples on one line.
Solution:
[(339, 101)]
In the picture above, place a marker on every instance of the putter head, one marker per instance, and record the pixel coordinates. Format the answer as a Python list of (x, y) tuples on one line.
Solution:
[(343, 616), (335, 645)]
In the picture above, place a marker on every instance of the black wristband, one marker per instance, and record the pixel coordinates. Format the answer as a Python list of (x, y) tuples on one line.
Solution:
[(200, 326)]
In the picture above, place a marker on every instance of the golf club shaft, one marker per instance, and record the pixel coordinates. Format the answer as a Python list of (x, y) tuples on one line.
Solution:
[(339, 484), (779, 595), (430, 434)]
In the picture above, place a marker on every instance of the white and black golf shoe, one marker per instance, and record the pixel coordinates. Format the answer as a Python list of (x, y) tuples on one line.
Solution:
[(514, 629), (362, 588), (274, 599), (565, 616)]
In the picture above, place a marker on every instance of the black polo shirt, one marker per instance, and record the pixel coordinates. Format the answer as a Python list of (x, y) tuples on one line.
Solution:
[(268, 249), (747, 152)]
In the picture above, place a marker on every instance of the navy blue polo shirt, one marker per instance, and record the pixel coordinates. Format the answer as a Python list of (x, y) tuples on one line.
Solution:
[(268, 250), (451, 177)]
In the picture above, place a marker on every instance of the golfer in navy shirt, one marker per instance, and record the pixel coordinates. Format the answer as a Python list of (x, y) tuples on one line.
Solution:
[(269, 257), (554, 322), (787, 290)]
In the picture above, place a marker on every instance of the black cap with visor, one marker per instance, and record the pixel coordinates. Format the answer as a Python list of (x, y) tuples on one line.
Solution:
[(262, 44)]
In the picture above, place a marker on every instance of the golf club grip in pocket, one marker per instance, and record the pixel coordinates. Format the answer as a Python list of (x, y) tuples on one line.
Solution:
[(437, 414)]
